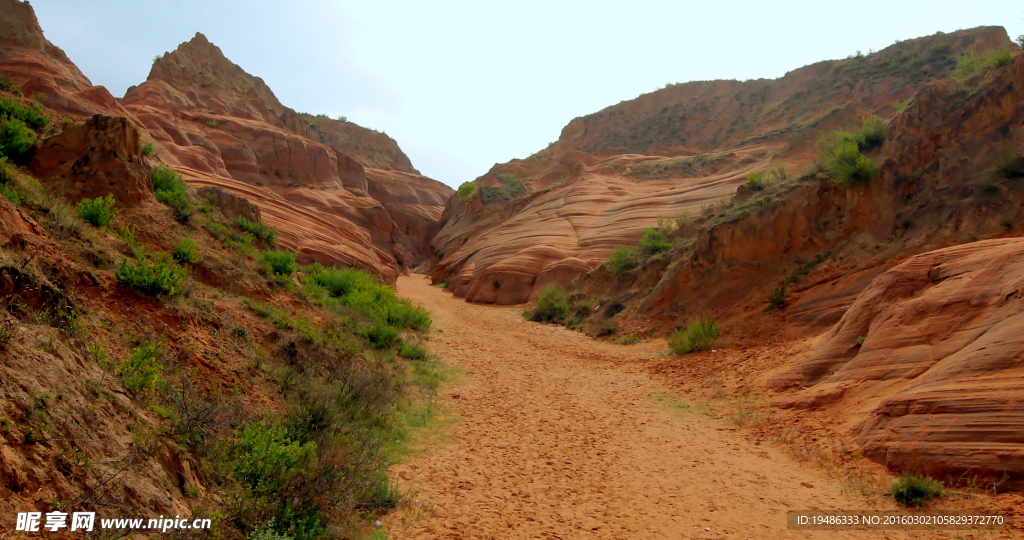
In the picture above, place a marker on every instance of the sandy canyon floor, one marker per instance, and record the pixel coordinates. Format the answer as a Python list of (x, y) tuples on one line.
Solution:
[(558, 437)]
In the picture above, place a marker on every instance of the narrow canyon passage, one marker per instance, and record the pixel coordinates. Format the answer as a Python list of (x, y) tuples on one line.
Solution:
[(559, 438)]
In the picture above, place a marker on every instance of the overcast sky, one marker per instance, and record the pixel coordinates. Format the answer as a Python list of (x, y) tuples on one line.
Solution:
[(464, 85)]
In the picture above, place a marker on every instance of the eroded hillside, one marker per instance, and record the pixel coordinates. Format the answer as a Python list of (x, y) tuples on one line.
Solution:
[(681, 149), (172, 348), (326, 189)]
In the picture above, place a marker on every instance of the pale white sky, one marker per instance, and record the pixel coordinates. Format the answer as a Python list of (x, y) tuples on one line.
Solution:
[(464, 85)]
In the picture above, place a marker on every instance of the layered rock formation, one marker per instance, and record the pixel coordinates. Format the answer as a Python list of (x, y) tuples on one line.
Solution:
[(929, 363), (221, 127), (680, 149)]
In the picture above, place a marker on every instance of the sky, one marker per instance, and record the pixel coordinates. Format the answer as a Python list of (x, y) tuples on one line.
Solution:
[(464, 85)]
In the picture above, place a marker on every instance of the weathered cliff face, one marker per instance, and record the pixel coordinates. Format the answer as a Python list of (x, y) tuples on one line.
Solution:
[(680, 149), (219, 126), (936, 383), (93, 159)]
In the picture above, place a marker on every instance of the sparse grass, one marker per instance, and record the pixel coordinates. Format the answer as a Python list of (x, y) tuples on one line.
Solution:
[(912, 490), (683, 218), (509, 187), (552, 305), (623, 260), (779, 172), (98, 211), (686, 167), (700, 334)]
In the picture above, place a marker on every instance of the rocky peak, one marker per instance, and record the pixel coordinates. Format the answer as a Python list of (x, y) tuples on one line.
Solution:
[(19, 26), (197, 63)]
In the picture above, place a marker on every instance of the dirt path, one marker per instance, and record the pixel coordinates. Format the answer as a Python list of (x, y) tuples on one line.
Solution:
[(559, 439)]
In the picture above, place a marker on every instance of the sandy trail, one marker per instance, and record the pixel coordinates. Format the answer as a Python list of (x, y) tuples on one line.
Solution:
[(560, 439)]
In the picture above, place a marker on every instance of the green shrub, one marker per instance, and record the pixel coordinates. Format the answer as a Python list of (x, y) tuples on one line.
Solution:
[(413, 352), (15, 138), (161, 276), (7, 84), (380, 335), (843, 160), (171, 190), (265, 458), (700, 334), (468, 191), (140, 371), (901, 106), (354, 288), (509, 187), (280, 262), (757, 181), (147, 149), (872, 133), (967, 64), (912, 490), (31, 115), (185, 251), (259, 229), (653, 241), (98, 211), (212, 123), (1000, 58), (552, 304), (623, 260)]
